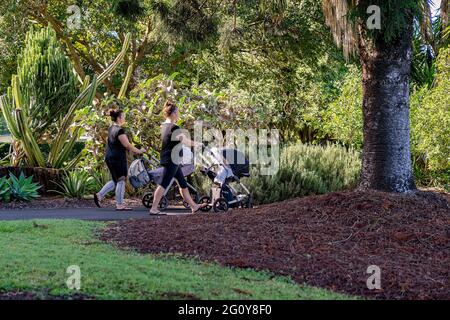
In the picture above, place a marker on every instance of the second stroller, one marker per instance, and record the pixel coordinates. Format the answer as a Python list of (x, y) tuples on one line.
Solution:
[(224, 167), (145, 172)]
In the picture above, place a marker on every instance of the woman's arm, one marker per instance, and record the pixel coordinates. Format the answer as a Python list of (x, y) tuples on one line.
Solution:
[(188, 142), (124, 140)]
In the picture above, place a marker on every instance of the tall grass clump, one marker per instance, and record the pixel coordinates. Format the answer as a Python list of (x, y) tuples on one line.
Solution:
[(307, 170)]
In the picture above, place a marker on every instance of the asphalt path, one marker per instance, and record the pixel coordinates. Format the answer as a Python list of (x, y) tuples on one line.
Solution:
[(93, 214)]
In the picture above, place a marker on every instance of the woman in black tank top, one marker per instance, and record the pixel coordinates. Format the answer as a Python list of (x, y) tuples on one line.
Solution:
[(171, 153), (116, 160)]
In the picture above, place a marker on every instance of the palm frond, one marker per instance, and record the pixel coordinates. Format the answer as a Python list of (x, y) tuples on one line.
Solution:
[(426, 21), (445, 8), (343, 31)]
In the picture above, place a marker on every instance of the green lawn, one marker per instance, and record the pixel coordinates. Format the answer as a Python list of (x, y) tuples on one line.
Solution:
[(35, 258)]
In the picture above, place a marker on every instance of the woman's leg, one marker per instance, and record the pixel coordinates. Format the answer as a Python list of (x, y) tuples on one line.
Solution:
[(169, 173), (157, 196), (184, 191), (120, 192), (119, 171), (187, 197), (107, 188)]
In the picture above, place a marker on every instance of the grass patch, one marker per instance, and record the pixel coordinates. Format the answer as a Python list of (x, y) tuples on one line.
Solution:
[(34, 256)]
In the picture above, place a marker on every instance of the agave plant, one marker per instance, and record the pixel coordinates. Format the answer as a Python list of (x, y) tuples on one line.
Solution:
[(5, 192), (76, 184), (22, 188), (18, 120)]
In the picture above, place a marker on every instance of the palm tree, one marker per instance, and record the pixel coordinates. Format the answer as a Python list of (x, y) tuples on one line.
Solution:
[(385, 55)]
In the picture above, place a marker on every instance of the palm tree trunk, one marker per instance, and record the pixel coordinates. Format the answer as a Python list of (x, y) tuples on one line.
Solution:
[(386, 67)]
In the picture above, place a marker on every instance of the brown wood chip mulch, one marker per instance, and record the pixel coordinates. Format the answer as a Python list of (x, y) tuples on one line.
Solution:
[(326, 241)]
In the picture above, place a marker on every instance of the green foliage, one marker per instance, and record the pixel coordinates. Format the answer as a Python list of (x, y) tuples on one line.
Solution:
[(3, 126), (128, 9), (430, 118), (76, 184), (396, 16), (14, 24), (186, 20), (276, 67), (307, 170), (22, 188), (343, 119), (423, 68), (5, 191), (46, 78)]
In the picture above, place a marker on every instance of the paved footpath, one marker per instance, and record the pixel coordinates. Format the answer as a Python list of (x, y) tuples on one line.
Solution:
[(94, 214)]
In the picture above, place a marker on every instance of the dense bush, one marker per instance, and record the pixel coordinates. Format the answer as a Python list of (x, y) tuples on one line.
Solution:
[(343, 119), (307, 170), (430, 118)]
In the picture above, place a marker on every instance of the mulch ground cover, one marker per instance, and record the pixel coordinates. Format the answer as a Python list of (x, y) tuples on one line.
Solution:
[(326, 241)]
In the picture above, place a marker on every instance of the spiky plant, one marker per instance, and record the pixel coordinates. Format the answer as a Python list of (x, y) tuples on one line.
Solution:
[(5, 192), (26, 142), (22, 188), (76, 184), (46, 79)]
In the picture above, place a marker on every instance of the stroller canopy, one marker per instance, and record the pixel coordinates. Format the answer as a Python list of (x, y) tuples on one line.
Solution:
[(237, 162)]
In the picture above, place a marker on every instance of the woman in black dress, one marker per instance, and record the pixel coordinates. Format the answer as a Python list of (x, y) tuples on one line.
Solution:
[(116, 160), (171, 153)]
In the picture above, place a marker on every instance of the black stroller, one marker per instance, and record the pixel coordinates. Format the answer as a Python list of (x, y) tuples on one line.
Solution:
[(224, 167), (146, 173)]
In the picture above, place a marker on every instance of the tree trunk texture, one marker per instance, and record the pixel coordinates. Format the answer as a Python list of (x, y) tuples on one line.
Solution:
[(386, 163), (45, 177)]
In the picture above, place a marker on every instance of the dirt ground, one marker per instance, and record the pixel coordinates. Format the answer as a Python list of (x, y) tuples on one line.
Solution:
[(326, 241)]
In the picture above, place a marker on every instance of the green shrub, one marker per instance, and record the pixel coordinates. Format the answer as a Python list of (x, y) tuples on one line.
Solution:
[(76, 184), (22, 188), (307, 170), (430, 119)]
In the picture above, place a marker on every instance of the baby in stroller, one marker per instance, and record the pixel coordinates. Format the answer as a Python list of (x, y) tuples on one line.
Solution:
[(224, 167)]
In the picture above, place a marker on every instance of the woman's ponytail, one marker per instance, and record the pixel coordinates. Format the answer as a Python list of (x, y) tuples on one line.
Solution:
[(114, 114)]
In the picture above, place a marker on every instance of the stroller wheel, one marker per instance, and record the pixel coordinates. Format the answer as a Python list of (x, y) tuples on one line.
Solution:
[(220, 205), (248, 203), (147, 201), (203, 200)]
